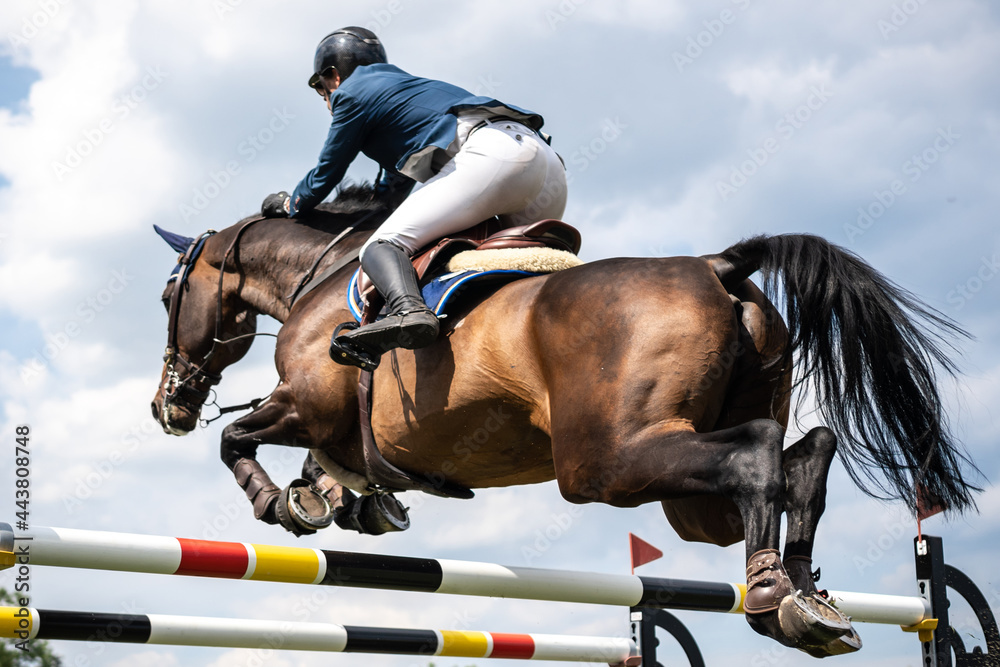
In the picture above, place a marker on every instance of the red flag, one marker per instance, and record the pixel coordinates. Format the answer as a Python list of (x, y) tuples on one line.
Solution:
[(641, 552)]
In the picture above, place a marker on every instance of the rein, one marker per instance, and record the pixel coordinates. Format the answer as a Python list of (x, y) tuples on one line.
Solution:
[(308, 281)]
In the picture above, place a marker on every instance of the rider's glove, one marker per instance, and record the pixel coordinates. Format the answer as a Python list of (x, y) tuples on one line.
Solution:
[(276, 205)]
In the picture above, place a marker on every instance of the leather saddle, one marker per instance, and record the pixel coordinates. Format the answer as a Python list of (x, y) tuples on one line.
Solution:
[(487, 235)]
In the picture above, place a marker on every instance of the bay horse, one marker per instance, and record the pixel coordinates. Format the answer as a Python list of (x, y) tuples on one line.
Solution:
[(627, 380)]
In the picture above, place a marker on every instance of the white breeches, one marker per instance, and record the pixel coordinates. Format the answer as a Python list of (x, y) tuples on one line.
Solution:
[(503, 169)]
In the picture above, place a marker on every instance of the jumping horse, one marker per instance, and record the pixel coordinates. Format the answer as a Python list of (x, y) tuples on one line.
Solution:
[(627, 380)]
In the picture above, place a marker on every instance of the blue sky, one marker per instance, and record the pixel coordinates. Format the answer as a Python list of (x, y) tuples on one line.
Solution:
[(16, 83), (685, 127)]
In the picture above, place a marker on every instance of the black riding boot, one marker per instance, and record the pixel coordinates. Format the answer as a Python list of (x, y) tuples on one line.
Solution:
[(410, 323)]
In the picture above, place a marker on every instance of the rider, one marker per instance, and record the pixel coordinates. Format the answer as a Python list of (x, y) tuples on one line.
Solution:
[(477, 158)]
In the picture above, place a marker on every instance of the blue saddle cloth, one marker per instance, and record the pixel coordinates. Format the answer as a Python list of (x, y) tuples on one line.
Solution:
[(445, 290)]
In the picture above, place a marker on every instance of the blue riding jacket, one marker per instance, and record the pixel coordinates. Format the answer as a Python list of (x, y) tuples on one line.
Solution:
[(398, 120)]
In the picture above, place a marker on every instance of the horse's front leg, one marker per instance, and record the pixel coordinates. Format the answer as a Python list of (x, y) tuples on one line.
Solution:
[(274, 422)]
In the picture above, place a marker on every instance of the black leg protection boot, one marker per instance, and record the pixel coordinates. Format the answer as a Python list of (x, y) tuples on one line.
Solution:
[(410, 323)]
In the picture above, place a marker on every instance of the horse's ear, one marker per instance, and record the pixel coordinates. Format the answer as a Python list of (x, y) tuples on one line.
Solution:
[(175, 241)]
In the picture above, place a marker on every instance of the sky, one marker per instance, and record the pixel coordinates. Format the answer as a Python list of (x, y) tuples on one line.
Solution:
[(684, 126)]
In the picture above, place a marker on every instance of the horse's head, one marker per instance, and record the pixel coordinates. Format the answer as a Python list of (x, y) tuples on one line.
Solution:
[(204, 316)]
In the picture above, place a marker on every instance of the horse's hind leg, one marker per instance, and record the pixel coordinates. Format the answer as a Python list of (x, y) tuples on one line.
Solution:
[(742, 463), (807, 465)]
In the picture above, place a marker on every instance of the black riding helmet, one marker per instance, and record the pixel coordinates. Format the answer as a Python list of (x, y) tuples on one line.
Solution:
[(345, 50)]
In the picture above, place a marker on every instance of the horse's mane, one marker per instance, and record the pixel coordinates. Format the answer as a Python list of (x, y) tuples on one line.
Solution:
[(354, 198), (352, 201)]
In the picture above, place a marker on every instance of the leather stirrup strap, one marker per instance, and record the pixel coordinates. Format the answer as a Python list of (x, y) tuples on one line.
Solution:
[(385, 474)]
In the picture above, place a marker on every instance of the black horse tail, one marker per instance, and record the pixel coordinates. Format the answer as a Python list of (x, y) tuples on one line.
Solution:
[(870, 349)]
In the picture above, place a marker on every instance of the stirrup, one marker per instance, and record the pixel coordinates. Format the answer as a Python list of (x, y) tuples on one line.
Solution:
[(352, 353), (407, 329)]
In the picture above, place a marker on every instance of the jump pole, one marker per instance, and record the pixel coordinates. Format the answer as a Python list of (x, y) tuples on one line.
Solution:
[(98, 550), (29, 623), (648, 597)]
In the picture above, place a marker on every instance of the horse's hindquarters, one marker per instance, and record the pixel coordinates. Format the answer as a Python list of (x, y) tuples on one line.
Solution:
[(631, 350)]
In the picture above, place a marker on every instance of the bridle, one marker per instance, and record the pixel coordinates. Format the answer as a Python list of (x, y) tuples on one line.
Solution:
[(193, 389)]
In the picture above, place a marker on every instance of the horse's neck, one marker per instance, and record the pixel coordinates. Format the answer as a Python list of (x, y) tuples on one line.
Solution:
[(272, 265)]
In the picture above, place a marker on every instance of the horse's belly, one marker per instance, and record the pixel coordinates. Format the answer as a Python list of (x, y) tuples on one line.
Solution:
[(472, 407), (483, 444)]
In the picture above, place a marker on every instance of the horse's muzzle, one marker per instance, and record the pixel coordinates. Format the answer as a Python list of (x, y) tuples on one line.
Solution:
[(173, 418)]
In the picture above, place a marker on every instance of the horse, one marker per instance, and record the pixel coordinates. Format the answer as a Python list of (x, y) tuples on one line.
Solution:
[(627, 380)]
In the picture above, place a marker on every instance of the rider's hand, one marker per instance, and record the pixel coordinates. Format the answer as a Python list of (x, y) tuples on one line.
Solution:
[(276, 205)]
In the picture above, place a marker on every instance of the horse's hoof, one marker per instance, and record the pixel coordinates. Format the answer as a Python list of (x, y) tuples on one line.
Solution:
[(848, 643), (809, 621), (302, 509), (373, 514)]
